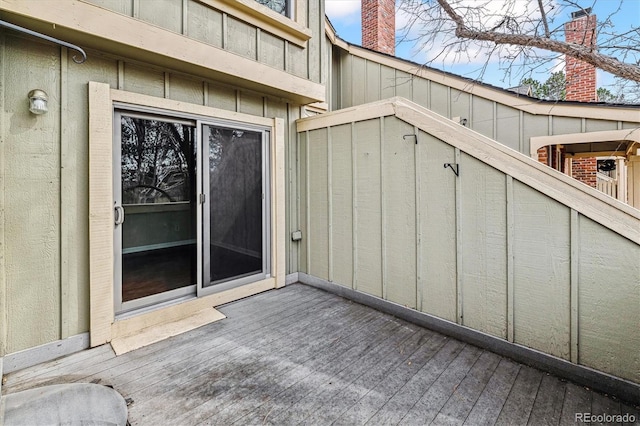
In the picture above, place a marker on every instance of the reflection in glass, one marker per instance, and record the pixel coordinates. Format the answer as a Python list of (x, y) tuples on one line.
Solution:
[(279, 6), (236, 202), (158, 196)]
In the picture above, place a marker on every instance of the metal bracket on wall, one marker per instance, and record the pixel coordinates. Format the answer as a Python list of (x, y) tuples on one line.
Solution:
[(46, 37), (454, 166), (413, 135)]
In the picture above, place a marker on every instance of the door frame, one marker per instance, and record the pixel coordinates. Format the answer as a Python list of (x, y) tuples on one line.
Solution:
[(103, 324)]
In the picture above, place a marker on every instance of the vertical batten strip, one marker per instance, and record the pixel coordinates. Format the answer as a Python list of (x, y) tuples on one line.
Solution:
[(510, 269), (185, 17), (167, 85), (205, 93), (575, 271), (449, 102), (258, 44), (494, 129), (294, 213), (383, 216), (225, 31), (135, 8), (459, 260), (521, 131), (120, 75), (330, 204), (416, 161), (354, 215), (4, 315), (308, 203), (66, 195)]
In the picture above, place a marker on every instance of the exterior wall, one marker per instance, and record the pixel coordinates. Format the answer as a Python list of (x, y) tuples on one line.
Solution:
[(212, 23), (382, 216), (44, 279), (361, 78), (584, 170)]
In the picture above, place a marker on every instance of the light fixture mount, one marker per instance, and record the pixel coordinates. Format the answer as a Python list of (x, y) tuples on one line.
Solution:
[(38, 100)]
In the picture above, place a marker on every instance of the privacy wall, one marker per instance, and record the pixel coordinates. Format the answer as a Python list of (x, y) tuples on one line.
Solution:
[(360, 76), (405, 205)]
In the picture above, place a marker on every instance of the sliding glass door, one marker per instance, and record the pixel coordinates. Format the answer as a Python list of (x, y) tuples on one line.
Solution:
[(155, 209), (235, 217), (191, 207)]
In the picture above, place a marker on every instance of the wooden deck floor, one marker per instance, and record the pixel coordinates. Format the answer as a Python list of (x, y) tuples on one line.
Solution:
[(303, 356)]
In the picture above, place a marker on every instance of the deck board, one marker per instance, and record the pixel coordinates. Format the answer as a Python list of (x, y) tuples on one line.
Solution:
[(299, 355)]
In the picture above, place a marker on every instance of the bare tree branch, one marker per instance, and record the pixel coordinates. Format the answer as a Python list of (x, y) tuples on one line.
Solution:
[(463, 28)]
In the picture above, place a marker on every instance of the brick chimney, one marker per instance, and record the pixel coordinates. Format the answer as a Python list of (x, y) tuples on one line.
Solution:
[(581, 83), (379, 25), (580, 76)]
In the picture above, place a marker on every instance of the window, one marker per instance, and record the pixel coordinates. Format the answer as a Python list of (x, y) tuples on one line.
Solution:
[(280, 6)]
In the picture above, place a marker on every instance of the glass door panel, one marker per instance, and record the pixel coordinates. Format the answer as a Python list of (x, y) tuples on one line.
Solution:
[(157, 194), (236, 204)]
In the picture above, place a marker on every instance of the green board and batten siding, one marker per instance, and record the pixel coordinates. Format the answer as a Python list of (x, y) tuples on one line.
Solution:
[(357, 80), (483, 249), (44, 287), (204, 23)]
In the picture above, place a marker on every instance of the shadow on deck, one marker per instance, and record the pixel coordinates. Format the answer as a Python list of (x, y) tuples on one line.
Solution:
[(301, 355)]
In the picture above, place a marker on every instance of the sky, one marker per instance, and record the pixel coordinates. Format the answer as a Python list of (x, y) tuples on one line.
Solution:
[(345, 17)]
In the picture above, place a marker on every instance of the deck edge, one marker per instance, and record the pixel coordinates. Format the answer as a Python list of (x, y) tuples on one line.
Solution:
[(43, 353), (602, 382)]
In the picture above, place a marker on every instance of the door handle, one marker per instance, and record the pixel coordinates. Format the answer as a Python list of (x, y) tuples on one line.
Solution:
[(119, 215)]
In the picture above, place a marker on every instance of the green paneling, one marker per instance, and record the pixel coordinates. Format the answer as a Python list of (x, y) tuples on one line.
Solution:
[(297, 61), (508, 127), (484, 247), (271, 50), (600, 125), (368, 203), (148, 81), (318, 204), (421, 92), (31, 186), (342, 205), (163, 13), (346, 82), (204, 24), (533, 125), (483, 116), (185, 89), (75, 187), (251, 103), (387, 82), (241, 38), (222, 97), (399, 213), (608, 301), (460, 104), (564, 125), (359, 81), (304, 213), (439, 99), (438, 228), (404, 84), (372, 90), (541, 272), (316, 25), (121, 6)]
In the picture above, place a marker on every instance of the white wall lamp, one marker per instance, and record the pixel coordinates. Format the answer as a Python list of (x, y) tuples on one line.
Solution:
[(38, 101)]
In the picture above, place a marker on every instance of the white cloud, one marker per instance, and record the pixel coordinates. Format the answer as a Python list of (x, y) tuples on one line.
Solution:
[(342, 9)]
